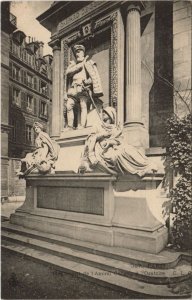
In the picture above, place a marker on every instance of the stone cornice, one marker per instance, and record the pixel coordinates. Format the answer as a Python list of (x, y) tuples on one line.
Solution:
[(5, 157), (45, 17), (80, 14), (5, 66), (34, 92), (6, 128), (13, 59), (80, 17), (70, 176), (55, 44)]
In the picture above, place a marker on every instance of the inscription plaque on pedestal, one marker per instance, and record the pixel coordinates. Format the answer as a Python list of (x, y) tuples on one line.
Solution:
[(73, 199)]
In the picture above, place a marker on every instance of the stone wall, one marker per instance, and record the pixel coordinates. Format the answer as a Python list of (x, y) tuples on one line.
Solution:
[(16, 186), (5, 110), (5, 48), (182, 24), (4, 176), (147, 58), (4, 77), (4, 95)]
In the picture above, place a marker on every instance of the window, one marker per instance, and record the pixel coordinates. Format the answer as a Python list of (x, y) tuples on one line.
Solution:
[(43, 88), (10, 69), (25, 77), (29, 58), (35, 83), (34, 61), (12, 135), (29, 102), (16, 97), (43, 109), (24, 55), (16, 72), (20, 52), (16, 49), (29, 134), (43, 70), (29, 80)]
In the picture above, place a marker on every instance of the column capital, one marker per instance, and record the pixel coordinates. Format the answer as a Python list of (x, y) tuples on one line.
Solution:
[(55, 44), (135, 5)]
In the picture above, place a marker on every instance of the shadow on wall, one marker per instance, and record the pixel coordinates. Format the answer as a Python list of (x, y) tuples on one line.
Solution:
[(161, 94)]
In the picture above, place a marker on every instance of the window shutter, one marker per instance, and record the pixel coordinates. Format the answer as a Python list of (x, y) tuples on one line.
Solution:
[(35, 105), (23, 101), (39, 108), (25, 77), (24, 133), (47, 90), (47, 110), (35, 84), (22, 76), (10, 94), (13, 71), (10, 69)]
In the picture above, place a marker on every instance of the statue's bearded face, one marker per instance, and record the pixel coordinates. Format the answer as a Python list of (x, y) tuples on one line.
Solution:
[(79, 55)]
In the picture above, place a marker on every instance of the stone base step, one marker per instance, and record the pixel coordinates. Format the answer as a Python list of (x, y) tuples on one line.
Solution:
[(94, 274), (78, 256), (164, 260)]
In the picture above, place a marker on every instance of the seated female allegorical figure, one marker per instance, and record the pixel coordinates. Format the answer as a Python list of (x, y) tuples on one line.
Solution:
[(105, 150), (44, 157)]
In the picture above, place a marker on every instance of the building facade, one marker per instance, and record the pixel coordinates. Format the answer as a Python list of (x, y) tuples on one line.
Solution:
[(8, 25), (28, 99), (30, 91)]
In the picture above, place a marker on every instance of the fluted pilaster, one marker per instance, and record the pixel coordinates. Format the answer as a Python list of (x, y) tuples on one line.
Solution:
[(56, 119), (134, 130), (133, 65)]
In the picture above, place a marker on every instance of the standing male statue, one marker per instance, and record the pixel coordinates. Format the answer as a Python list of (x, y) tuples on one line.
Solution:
[(82, 81)]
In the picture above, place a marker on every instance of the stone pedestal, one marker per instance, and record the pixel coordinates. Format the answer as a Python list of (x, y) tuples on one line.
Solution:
[(97, 208), (71, 149)]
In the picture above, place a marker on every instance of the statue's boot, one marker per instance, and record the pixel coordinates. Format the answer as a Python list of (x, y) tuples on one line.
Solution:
[(70, 114), (80, 127)]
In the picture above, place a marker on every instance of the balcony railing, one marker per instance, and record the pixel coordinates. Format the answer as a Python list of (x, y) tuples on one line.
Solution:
[(13, 19)]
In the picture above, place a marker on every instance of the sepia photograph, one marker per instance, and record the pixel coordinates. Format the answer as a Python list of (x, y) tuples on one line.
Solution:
[(96, 149)]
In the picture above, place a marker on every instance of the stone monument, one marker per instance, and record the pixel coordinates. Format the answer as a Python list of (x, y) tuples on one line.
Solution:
[(104, 189)]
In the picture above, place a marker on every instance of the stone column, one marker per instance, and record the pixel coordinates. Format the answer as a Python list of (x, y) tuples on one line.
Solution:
[(134, 128), (133, 65), (56, 113)]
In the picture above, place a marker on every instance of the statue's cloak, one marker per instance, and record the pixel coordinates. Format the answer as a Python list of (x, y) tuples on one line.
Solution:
[(92, 72)]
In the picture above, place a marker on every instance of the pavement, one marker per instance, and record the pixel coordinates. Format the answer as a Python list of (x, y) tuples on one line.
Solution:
[(8, 208), (28, 278), (23, 278)]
